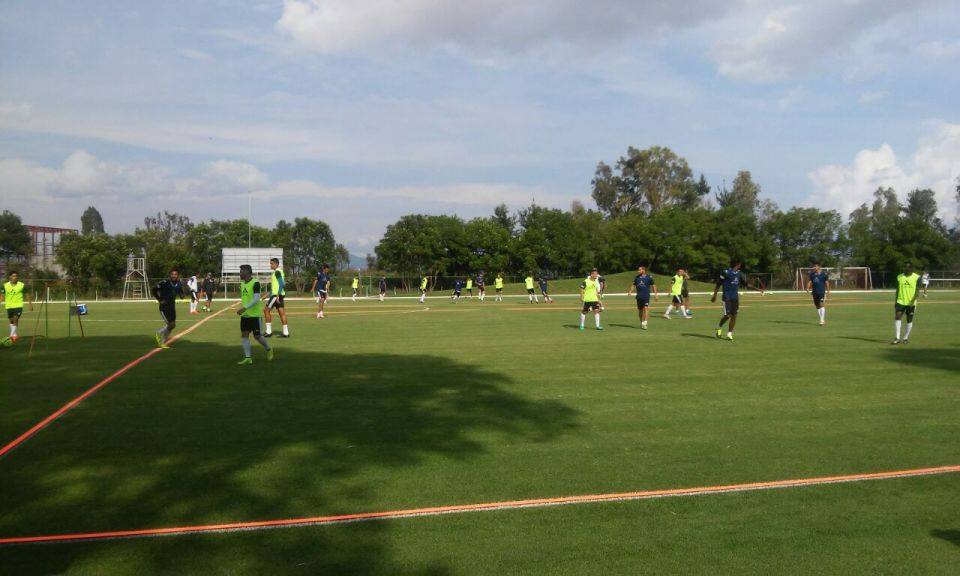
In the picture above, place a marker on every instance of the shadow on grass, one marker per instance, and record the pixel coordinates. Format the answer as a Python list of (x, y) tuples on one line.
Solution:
[(189, 437), (862, 339), (939, 358), (696, 335), (632, 327), (792, 322), (951, 536)]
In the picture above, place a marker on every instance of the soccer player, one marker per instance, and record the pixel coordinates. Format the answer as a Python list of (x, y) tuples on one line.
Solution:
[(251, 314), (208, 292), (819, 286), (906, 302), (469, 287), (356, 287), (457, 288), (590, 296), (676, 295), (194, 288), (278, 290), (423, 288), (11, 295), (321, 286), (642, 283), (925, 281), (382, 285), (498, 286), (685, 292), (731, 279), (166, 292), (481, 287), (542, 281), (528, 282)]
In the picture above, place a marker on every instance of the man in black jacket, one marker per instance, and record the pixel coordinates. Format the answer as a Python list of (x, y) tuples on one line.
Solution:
[(166, 292)]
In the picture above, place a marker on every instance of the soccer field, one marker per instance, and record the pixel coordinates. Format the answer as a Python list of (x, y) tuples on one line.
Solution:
[(400, 406)]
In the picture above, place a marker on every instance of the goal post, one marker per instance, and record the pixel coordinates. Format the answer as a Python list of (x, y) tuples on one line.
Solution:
[(845, 278)]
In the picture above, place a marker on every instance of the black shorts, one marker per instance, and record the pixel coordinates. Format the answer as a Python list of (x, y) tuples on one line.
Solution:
[(499, 290), (685, 293), (250, 324), (14, 312), (456, 292), (383, 290), (818, 299), (169, 312), (322, 295), (588, 306), (908, 310), (193, 296), (275, 302), (209, 296), (530, 290), (643, 302), (731, 307), (544, 291), (678, 300)]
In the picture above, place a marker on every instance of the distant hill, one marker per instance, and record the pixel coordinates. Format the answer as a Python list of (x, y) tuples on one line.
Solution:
[(358, 261)]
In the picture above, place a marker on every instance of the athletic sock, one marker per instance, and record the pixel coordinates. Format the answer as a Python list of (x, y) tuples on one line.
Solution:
[(897, 324), (246, 346), (286, 330), (906, 335), (13, 330), (262, 341), (583, 319), (269, 327), (669, 310), (596, 320), (683, 309)]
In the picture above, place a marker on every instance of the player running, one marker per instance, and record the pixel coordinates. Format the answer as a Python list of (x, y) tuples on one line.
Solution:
[(166, 292), (731, 279), (194, 288), (819, 286), (925, 282), (676, 295), (251, 314), (590, 296), (356, 287), (457, 288), (208, 292), (11, 295), (278, 290), (498, 286), (906, 302), (423, 288), (481, 287), (542, 281), (382, 286), (528, 282), (642, 283), (321, 287)]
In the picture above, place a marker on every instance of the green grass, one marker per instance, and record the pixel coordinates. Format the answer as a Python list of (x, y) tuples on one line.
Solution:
[(389, 406)]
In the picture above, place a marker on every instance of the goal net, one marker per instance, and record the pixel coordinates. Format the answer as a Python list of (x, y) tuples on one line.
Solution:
[(846, 278)]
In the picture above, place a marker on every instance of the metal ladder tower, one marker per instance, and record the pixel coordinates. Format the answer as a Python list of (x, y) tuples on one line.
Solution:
[(135, 284)]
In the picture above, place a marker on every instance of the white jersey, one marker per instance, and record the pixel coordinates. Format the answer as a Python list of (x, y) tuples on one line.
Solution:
[(925, 279), (192, 283)]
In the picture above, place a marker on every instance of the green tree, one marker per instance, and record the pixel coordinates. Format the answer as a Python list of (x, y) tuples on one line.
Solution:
[(649, 180), (744, 195), (15, 240), (91, 222), (922, 205)]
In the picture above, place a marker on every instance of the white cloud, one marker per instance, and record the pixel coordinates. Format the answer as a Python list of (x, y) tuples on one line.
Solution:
[(195, 55), (935, 165), (872, 97)]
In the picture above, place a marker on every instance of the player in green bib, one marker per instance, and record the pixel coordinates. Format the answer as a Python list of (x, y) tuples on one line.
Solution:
[(531, 293), (356, 288), (906, 302), (498, 286), (251, 314), (469, 287), (590, 296), (11, 295), (423, 288), (676, 294), (278, 290)]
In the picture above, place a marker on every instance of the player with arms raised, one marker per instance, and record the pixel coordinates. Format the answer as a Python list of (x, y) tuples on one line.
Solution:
[(731, 279), (906, 302), (819, 286), (642, 283)]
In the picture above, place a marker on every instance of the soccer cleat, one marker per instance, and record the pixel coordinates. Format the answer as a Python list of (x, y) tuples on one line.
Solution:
[(581, 327), (156, 337), (643, 326), (270, 335), (719, 333), (270, 354), (667, 316), (245, 361), (284, 335), (896, 341), (730, 336), (599, 327), (905, 341), (822, 322), (14, 338)]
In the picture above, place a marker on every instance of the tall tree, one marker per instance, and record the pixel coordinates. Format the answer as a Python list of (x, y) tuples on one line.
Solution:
[(168, 226), (744, 195), (14, 237), (922, 205), (502, 216), (91, 222), (649, 180)]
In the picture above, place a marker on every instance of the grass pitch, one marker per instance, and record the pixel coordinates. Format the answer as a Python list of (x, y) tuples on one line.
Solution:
[(399, 405)]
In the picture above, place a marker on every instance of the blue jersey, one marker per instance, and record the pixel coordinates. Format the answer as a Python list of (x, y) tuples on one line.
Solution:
[(643, 283), (543, 284), (731, 280), (818, 283), (458, 285), (322, 280)]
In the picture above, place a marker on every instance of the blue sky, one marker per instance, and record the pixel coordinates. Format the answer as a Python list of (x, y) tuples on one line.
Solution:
[(357, 112)]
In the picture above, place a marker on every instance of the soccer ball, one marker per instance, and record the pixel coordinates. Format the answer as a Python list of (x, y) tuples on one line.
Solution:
[(6, 342)]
